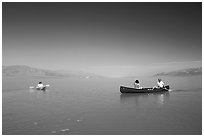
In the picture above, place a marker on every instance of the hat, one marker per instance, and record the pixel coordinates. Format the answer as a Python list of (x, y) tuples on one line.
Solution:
[(137, 81)]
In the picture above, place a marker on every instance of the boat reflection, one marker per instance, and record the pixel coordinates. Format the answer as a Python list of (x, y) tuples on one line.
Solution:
[(39, 94), (137, 98)]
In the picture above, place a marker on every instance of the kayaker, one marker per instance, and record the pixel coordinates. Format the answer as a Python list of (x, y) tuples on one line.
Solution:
[(160, 83), (137, 84), (40, 85)]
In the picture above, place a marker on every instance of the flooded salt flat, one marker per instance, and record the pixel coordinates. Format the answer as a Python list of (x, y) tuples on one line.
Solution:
[(96, 107)]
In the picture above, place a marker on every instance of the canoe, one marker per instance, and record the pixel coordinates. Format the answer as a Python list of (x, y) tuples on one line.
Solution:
[(39, 88), (43, 88), (135, 97), (124, 89)]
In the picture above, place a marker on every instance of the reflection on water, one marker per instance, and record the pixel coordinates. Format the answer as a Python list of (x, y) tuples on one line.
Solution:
[(161, 98), (39, 91), (39, 94)]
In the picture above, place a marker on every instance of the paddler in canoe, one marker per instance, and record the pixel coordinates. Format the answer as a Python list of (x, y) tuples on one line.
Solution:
[(160, 84), (137, 84), (40, 86)]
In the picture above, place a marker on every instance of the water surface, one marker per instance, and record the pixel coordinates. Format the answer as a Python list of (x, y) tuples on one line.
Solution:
[(96, 107)]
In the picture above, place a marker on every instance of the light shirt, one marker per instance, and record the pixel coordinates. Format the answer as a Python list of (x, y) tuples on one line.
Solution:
[(40, 85), (137, 86), (160, 84)]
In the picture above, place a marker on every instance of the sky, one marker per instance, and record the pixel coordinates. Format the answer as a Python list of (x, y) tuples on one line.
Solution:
[(113, 39)]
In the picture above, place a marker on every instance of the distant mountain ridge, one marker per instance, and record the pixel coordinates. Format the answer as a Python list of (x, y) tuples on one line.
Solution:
[(182, 72), (26, 71)]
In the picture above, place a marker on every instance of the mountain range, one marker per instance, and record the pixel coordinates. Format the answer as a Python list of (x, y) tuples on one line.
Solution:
[(26, 71), (182, 72)]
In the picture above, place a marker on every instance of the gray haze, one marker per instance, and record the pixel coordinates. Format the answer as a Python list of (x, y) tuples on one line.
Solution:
[(113, 39)]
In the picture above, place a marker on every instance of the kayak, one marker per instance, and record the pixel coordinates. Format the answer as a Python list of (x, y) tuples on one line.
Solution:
[(124, 89), (43, 88), (39, 88)]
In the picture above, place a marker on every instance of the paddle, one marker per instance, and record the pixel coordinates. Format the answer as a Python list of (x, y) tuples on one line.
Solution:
[(32, 87)]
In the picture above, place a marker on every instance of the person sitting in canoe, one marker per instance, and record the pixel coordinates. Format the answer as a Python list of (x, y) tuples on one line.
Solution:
[(40, 85), (160, 83), (137, 84)]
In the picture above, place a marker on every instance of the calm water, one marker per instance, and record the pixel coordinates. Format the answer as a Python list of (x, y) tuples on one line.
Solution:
[(95, 106)]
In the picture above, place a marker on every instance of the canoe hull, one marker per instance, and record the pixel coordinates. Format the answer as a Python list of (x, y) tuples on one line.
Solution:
[(144, 90), (43, 88)]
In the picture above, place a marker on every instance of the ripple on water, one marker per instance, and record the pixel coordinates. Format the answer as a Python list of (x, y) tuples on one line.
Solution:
[(63, 130), (53, 132)]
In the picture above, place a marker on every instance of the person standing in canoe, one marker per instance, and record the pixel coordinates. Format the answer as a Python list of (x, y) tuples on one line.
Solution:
[(160, 83), (137, 84)]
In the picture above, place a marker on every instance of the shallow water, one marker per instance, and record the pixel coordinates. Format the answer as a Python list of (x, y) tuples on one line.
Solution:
[(96, 107)]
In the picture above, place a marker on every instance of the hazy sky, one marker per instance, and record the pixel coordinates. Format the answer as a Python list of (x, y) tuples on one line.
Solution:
[(105, 38)]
